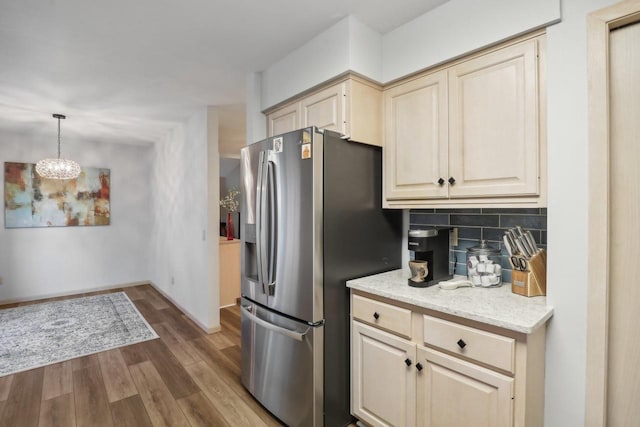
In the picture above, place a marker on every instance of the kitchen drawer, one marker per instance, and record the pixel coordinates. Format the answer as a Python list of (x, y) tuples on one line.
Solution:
[(484, 347), (389, 317)]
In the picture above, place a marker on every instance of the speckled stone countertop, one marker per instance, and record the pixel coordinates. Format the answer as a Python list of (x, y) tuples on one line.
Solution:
[(494, 306)]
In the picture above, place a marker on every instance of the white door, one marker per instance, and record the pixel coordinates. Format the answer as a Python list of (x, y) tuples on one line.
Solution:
[(493, 124), (383, 380), (415, 144), (623, 390), (455, 393)]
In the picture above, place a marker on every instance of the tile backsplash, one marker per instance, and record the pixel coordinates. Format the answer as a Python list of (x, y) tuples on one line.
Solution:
[(482, 223)]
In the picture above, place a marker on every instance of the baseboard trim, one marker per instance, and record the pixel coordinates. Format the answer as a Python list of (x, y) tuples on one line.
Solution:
[(76, 292), (228, 305), (191, 317)]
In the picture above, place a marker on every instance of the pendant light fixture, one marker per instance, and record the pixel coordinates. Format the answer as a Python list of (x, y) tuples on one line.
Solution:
[(58, 168)]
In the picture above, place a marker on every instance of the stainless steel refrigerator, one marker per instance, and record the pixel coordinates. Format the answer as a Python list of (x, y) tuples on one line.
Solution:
[(311, 220)]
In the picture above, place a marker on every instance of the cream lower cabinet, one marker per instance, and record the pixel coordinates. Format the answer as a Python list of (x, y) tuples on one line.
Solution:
[(383, 377), (447, 374), (453, 392)]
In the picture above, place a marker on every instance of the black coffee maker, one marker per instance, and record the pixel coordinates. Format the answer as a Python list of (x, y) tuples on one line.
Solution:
[(431, 245)]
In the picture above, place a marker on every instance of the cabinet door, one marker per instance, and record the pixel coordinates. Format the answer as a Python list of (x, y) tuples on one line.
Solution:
[(284, 120), (455, 393), (416, 135), (382, 385), (326, 109), (493, 118)]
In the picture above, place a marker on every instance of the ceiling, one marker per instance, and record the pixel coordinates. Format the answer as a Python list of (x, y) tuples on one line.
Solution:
[(127, 71)]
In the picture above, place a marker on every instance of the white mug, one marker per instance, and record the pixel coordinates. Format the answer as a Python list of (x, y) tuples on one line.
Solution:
[(419, 270)]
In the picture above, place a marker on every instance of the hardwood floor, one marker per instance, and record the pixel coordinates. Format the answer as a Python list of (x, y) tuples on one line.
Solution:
[(185, 378)]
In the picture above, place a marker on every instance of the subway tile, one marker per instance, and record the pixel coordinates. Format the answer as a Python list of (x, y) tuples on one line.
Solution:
[(469, 233), (419, 226), (463, 244), (493, 234), (536, 235), (506, 277), (459, 256), (475, 220), (421, 211), (543, 211), (529, 211), (462, 210), (430, 219), (461, 268), (505, 263), (543, 237), (536, 222)]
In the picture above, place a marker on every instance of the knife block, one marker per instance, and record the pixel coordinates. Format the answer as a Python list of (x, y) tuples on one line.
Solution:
[(532, 282)]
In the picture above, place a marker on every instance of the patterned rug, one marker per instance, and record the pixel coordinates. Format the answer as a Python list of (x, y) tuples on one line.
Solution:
[(41, 334)]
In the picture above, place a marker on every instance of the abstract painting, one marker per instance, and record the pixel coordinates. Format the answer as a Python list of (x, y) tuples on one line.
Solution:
[(33, 201)]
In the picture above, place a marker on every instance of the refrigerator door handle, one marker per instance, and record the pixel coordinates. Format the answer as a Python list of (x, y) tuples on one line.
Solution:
[(261, 228), (273, 224), (298, 336)]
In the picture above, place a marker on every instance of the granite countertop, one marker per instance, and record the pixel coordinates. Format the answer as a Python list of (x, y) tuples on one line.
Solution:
[(494, 306)]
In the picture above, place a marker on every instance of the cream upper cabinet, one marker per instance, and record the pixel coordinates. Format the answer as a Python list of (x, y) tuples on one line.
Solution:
[(416, 157), (455, 393), (284, 120), (493, 123), (383, 379), (476, 126), (351, 106), (326, 109)]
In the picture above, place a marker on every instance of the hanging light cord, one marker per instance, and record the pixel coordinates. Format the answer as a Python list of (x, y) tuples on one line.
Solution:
[(58, 137)]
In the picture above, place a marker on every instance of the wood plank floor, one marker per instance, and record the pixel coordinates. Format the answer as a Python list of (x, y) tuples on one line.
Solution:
[(185, 378)]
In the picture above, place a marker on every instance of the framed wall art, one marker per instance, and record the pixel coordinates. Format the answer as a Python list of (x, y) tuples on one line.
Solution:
[(33, 201)]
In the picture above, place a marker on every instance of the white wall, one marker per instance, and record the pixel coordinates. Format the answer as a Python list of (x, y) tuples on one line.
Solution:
[(567, 215), (458, 27), (178, 215), (321, 58), (455, 28), (365, 50), (256, 121), (40, 262), (213, 214)]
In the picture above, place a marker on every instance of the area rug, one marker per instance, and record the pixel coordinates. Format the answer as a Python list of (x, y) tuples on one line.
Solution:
[(41, 334)]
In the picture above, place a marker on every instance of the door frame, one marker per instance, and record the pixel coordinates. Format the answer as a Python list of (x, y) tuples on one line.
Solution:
[(599, 24)]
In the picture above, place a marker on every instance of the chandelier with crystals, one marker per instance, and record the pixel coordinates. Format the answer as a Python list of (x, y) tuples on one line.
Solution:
[(58, 168)]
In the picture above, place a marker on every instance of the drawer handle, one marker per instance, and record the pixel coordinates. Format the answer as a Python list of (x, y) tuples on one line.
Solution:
[(461, 344), (419, 366), (407, 361), (376, 315)]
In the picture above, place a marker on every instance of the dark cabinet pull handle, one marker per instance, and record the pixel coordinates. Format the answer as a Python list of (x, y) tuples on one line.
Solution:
[(376, 315), (452, 180), (407, 361), (461, 343), (419, 366), (440, 181)]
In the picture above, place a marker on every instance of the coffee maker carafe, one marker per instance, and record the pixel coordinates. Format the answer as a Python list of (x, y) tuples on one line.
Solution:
[(431, 245)]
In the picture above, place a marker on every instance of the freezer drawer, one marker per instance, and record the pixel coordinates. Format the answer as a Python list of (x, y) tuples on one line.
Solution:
[(282, 365)]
